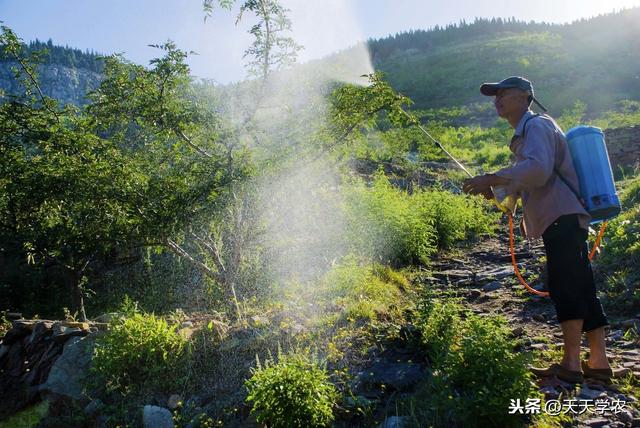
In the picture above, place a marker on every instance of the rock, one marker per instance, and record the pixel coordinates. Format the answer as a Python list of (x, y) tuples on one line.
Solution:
[(615, 335), (156, 417), (174, 401), (395, 422), (625, 416), (399, 376), (18, 330), (495, 274), (492, 286), (40, 330), (596, 422), (62, 332), (589, 394), (518, 331), (68, 371), (538, 317), (186, 324), (622, 372), (12, 316), (550, 393), (475, 293)]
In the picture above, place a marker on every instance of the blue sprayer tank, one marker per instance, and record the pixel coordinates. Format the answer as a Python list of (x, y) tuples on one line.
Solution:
[(591, 161)]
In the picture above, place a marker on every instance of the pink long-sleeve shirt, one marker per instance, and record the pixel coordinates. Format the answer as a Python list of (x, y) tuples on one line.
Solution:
[(545, 197)]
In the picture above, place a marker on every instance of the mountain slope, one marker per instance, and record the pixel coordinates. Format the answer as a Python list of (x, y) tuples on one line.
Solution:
[(593, 60)]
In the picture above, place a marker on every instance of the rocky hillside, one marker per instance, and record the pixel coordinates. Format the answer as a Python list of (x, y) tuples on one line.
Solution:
[(64, 83)]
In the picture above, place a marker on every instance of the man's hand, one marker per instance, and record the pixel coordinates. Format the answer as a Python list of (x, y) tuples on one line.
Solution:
[(481, 184)]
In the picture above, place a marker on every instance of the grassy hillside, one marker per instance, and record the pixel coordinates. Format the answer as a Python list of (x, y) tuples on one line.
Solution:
[(593, 60)]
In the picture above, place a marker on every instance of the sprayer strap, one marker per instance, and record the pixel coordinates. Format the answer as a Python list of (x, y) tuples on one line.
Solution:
[(573, 190)]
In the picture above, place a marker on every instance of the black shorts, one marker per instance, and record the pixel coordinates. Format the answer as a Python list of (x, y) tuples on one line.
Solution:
[(571, 285)]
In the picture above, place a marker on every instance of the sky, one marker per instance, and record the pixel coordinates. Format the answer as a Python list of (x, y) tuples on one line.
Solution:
[(321, 26)]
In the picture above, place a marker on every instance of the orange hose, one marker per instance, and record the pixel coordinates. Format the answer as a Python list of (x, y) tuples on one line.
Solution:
[(515, 265), (598, 238)]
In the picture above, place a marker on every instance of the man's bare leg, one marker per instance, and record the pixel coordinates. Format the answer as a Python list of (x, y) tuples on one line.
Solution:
[(597, 349), (571, 335)]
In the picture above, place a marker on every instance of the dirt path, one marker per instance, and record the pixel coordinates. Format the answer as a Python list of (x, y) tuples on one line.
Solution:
[(484, 280)]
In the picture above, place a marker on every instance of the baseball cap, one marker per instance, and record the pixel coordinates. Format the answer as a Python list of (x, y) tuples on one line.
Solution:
[(518, 82)]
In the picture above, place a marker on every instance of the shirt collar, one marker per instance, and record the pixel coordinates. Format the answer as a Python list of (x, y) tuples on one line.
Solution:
[(520, 128)]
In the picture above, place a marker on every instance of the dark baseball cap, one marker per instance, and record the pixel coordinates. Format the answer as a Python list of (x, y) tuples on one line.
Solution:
[(521, 83), (518, 82)]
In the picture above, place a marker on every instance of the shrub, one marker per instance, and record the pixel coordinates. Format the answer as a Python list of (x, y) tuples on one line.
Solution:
[(454, 217), (390, 225), (294, 392), (476, 371), (384, 225), (140, 350)]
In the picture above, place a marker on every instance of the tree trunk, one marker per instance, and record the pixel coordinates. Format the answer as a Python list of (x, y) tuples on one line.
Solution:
[(73, 282)]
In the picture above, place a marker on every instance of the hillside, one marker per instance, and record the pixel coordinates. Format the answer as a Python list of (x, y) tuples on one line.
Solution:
[(592, 60)]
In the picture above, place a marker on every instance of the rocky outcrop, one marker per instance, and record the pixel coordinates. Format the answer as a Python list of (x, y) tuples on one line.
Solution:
[(67, 85), (623, 145), (36, 357)]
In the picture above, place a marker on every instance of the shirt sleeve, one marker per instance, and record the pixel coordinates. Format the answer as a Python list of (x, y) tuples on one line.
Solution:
[(538, 155)]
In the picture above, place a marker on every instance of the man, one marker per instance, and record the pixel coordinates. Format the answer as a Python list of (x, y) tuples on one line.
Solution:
[(544, 178)]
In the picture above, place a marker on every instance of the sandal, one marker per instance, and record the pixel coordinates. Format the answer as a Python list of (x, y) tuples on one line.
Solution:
[(604, 375), (560, 372)]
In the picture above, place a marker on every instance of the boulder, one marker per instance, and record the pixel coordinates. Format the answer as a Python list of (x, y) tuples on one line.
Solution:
[(69, 370), (156, 417), (399, 376)]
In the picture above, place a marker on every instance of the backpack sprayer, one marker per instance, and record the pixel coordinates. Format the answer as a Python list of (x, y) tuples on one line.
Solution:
[(591, 161)]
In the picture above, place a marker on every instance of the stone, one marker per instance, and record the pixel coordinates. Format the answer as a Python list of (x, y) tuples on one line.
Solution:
[(174, 401), (622, 372), (625, 416), (399, 376), (538, 317), (615, 335), (475, 293), (550, 393), (62, 332), (156, 417), (395, 422), (40, 330), (596, 422), (492, 286), (18, 330), (589, 394), (68, 371), (12, 316), (518, 331)]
